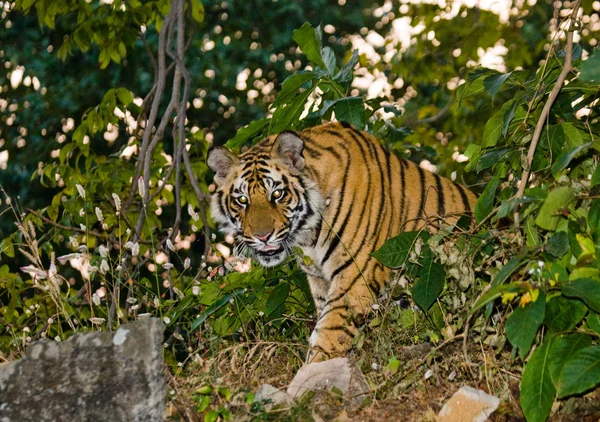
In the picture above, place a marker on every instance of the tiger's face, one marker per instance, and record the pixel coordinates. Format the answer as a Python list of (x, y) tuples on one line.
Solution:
[(263, 198)]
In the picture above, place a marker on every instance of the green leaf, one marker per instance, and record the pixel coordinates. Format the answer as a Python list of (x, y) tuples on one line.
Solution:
[(596, 176), (7, 248), (394, 252), (573, 136), (309, 41), (346, 73), (565, 158), (485, 203), (492, 84), (506, 271), (523, 324), (564, 314), (351, 110), (563, 347), (124, 96), (215, 307), (593, 322), (557, 200), (489, 158), (493, 129), (285, 118), (494, 293), (329, 59), (586, 289), (249, 132), (197, 10), (581, 372), (593, 217), (590, 69), (537, 389), (469, 88), (431, 281), (558, 244), (290, 86), (277, 297)]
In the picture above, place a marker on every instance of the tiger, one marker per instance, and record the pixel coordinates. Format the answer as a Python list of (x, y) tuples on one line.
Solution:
[(338, 194)]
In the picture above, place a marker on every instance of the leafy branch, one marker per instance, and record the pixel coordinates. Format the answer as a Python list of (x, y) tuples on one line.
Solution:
[(541, 122)]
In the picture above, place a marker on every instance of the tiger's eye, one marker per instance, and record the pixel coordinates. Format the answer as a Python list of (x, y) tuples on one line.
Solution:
[(242, 200), (277, 194)]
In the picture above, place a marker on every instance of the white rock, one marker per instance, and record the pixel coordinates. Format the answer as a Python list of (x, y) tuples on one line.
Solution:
[(468, 405), (273, 397)]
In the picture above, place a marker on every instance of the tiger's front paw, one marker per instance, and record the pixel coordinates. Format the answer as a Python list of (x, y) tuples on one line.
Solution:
[(329, 342)]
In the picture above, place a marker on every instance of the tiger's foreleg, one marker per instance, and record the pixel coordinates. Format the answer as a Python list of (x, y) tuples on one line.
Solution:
[(349, 297), (319, 288)]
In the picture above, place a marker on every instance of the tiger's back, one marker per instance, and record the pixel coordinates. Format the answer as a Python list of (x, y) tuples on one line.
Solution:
[(352, 195)]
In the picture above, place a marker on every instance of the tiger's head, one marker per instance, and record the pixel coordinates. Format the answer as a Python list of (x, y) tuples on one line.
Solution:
[(264, 198)]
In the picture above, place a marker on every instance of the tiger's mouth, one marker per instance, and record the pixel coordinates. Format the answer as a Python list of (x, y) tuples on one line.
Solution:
[(270, 250)]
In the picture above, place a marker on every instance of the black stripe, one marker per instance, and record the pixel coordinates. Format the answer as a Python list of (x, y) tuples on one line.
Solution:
[(334, 308), (336, 239), (341, 197), (423, 196), (440, 189), (403, 209), (343, 328), (342, 267), (464, 197)]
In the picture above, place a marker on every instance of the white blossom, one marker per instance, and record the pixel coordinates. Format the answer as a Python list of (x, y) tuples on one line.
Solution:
[(81, 212), (64, 258), (83, 227), (104, 268), (104, 226), (96, 299), (99, 215), (73, 241), (141, 187), (195, 290), (170, 245), (192, 213), (97, 320), (81, 190), (34, 272), (186, 263), (117, 201), (103, 250), (167, 265), (166, 320)]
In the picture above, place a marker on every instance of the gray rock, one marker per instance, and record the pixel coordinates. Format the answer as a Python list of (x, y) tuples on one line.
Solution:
[(92, 376), (340, 373), (468, 405), (273, 397)]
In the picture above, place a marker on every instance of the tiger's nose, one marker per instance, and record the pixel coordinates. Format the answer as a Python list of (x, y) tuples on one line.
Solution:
[(263, 237)]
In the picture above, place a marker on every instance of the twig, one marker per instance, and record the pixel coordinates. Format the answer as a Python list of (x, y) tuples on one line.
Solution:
[(546, 110)]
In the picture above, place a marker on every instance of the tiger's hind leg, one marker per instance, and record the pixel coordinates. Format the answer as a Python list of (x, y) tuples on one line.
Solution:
[(350, 297)]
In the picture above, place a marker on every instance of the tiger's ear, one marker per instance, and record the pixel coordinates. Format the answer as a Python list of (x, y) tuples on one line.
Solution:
[(221, 161), (289, 146)]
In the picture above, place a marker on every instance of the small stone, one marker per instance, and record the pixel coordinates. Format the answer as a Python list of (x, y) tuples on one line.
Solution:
[(468, 405), (273, 397), (339, 373)]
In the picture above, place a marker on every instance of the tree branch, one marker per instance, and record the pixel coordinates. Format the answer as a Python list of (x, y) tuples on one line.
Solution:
[(546, 110)]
